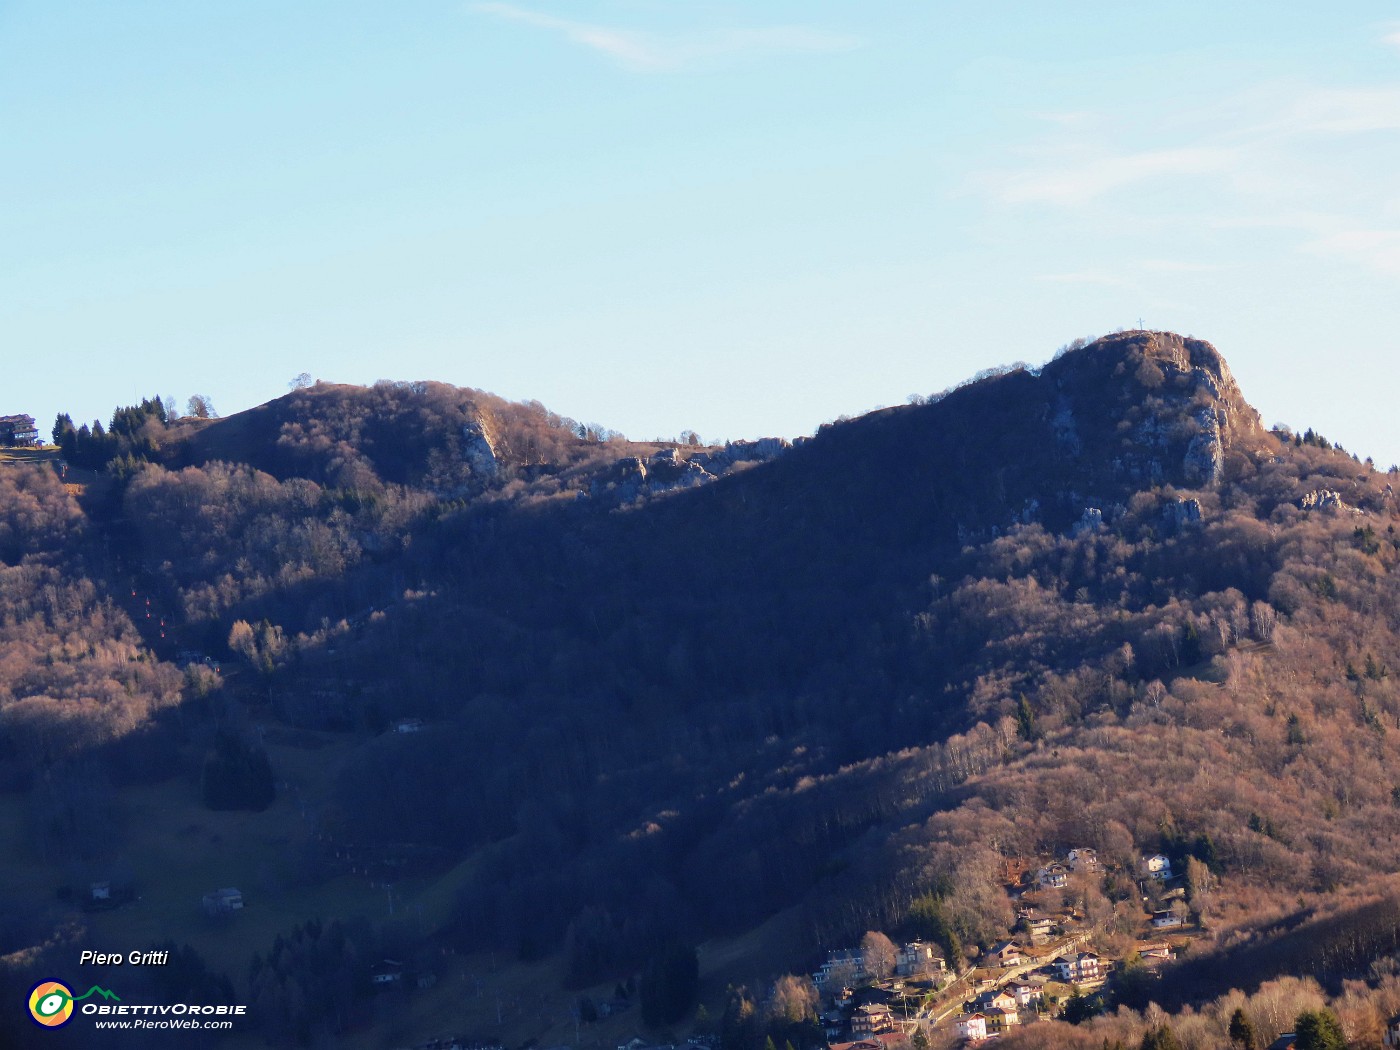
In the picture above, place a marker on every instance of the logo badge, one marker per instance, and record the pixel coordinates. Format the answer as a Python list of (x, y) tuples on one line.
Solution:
[(51, 1004)]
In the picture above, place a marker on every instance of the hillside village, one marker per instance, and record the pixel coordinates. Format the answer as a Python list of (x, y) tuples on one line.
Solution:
[(874, 999)]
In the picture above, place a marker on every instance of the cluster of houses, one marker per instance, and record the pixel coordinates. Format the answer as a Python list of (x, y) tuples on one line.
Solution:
[(1011, 977), (865, 1018), (1001, 1007), (1158, 868), (1055, 876), (998, 1009), (846, 966)]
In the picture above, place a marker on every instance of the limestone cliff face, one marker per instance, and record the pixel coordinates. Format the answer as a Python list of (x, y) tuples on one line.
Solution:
[(1219, 411), (479, 451), (1156, 407), (1069, 446)]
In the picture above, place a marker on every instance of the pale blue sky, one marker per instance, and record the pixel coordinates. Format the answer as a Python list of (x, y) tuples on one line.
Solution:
[(745, 219)]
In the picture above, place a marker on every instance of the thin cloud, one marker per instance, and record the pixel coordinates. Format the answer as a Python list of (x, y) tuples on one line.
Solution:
[(1120, 279), (1095, 176), (1098, 277), (1068, 118), (1378, 249), (1343, 112), (1265, 159), (645, 51), (1245, 155), (1178, 266)]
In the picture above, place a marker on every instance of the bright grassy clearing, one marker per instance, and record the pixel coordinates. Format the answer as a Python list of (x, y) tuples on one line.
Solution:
[(48, 454)]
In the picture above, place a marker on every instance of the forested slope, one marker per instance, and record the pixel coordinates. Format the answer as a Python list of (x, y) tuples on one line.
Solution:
[(1095, 603)]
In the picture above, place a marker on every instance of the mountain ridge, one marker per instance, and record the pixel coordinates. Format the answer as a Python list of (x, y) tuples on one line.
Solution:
[(895, 656)]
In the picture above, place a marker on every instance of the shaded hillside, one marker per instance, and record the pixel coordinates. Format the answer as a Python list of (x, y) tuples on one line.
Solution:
[(813, 610), (668, 692)]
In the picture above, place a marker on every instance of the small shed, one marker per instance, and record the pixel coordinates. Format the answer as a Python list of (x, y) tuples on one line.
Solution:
[(223, 902), (386, 974)]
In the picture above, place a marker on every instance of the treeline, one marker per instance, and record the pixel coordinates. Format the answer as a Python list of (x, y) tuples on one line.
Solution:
[(313, 982), (134, 434)]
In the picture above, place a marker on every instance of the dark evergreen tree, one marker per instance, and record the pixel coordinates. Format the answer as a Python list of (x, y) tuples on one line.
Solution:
[(186, 977), (670, 981), (1242, 1032), (1319, 1030), (1079, 1008), (1191, 650), (1025, 721), (930, 922), (739, 1027), (1162, 1038), (237, 775)]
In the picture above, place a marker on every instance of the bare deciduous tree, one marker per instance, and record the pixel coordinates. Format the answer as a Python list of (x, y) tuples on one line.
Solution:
[(879, 954), (201, 407), (792, 1001)]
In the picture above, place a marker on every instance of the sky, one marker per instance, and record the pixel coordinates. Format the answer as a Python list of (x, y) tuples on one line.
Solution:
[(744, 219)]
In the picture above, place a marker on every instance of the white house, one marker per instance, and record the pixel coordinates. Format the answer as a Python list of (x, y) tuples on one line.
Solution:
[(1083, 859), (1053, 877), (915, 958), (1027, 995), (1075, 968), (1156, 867), (1089, 968), (973, 1028)]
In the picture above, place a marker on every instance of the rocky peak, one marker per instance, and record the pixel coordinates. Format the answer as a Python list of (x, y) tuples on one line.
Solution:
[(1174, 406)]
